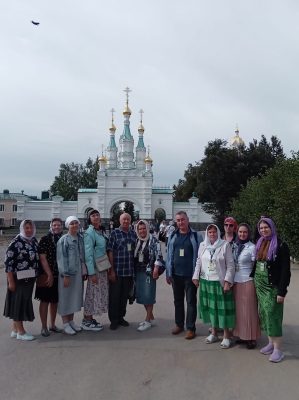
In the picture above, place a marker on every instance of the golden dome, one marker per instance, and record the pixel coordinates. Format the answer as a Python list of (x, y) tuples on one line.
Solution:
[(127, 110), (102, 158), (141, 128), (112, 128), (148, 159), (236, 141)]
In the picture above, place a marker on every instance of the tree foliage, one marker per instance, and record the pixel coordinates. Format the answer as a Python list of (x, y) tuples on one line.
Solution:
[(219, 176), (74, 176), (275, 195)]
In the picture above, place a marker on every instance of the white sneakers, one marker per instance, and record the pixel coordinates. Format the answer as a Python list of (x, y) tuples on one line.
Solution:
[(70, 328), (25, 336), (144, 326)]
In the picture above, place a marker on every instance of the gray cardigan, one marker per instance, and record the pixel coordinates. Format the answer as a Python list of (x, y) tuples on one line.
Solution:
[(225, 265)]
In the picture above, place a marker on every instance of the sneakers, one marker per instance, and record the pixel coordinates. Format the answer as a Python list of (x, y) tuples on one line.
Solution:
[(26, 336), (75, 327), (276, 356), (13, 334), (211, 339), (91, 325), (144, 326), (44, 332), (225, 344), (267, 349), (69, 330)]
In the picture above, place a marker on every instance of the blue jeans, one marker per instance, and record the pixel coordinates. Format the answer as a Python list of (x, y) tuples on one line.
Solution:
[(184, 287)]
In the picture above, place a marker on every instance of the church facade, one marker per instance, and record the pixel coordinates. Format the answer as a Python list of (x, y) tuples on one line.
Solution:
[(125, 175)]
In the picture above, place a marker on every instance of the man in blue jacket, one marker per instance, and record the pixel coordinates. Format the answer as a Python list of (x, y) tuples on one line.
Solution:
[(182, 252)]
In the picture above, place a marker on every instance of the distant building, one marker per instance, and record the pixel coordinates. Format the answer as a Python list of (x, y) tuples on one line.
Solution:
[(8, 208), (125, 174)]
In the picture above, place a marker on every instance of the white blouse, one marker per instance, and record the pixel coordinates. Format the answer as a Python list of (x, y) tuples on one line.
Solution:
[(244, 263), (208, 270)]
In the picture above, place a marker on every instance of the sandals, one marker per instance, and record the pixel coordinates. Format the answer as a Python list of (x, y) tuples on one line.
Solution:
[(211, 339), (225, 344)]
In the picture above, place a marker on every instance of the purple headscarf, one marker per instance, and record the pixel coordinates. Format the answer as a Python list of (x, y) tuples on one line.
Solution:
[(272, 238)]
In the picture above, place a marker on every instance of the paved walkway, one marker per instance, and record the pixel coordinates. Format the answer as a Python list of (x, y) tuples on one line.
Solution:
[(128, 365)]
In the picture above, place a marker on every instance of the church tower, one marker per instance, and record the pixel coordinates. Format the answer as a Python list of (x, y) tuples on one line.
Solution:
[(126, 141), (112, 149), (140, 148)]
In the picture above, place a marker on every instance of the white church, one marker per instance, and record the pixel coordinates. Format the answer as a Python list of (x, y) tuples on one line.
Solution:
[(125, 174)]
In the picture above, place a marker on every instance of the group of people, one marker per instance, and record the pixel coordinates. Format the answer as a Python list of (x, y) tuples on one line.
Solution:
[(241, 285), (130, 260)]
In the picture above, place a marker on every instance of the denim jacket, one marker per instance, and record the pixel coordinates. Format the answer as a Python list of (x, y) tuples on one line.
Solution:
[(70, 254), (95, 247)]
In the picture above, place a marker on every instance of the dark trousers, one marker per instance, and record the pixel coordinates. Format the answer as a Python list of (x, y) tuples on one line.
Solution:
[(184, 287), (118, 298)]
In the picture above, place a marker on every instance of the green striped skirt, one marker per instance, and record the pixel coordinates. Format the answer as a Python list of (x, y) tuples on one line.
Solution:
[(270, 312), (215, 306)]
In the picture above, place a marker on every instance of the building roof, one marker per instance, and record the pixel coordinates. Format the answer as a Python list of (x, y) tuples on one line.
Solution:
[(162, 190), (87, 190)]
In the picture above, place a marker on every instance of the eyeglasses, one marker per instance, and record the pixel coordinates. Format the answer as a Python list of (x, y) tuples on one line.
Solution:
[(230, 225)]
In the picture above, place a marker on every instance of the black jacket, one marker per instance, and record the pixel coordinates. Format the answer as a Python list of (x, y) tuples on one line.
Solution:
[(279, 271)]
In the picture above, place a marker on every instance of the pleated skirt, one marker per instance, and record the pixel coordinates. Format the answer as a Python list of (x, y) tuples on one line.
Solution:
[(215, 306), (247, 320), (18, 304)]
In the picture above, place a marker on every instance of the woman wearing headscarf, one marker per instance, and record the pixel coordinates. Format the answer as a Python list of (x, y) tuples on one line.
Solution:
[(247, 327), (230, 229), (47, 283), (97, 292), (272, 277), (148, 258), (71, 266), (21, 267), (215, 270)]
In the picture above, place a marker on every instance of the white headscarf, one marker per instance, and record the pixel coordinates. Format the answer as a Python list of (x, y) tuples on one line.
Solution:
[(22, 229), (218, 243), (71, 219)]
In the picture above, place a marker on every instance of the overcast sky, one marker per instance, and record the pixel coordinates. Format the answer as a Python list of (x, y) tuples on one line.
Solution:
[(196, 67)]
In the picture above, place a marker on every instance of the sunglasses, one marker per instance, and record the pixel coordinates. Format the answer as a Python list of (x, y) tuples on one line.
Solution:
[(230, 225)]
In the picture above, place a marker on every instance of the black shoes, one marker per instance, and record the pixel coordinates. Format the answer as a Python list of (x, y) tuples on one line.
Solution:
[(123, 322)]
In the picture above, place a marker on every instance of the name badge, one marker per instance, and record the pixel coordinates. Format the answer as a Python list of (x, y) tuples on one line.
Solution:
[(182, 253), (140, 257), (212, 266), (129, 246), (262, 266)]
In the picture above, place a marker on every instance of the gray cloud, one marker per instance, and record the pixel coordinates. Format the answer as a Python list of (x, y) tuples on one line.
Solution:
[(196, 68)]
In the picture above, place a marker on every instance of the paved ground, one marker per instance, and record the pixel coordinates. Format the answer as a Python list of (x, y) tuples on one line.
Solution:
[(126, 364)]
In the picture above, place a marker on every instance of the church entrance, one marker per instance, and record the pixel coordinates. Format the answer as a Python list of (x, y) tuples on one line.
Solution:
[(123, 206)]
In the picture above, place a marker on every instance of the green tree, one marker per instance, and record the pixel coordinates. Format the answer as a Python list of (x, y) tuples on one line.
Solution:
[(129, 209), (72, 177), (219, 176), (275, 194)]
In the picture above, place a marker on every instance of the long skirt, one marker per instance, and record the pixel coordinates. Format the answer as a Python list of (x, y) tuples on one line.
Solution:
[(215, 306), (145, 288), (70, 298), (247, 320), (18, 304), (270, 312), (97, 295)]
